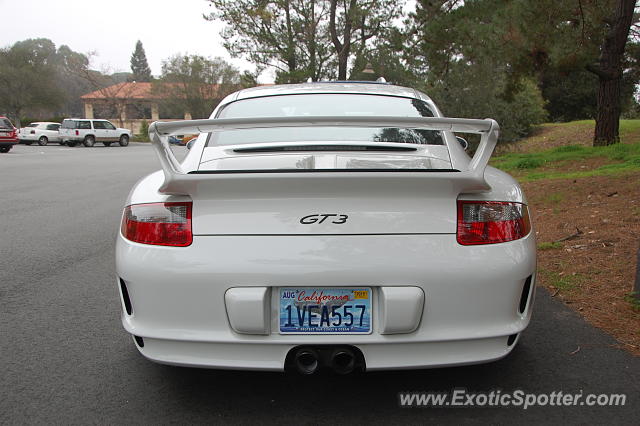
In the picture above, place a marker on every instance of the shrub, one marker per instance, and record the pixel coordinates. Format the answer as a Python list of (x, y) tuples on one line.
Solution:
[(481, 91), (549, 245), (144, 129), (529, 163), (568, 148)]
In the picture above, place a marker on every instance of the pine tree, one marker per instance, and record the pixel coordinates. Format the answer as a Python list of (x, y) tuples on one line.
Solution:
[(139, 65)]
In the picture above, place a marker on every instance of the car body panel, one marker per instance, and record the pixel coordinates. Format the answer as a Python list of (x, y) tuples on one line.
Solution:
[(461, 305), (391, 228)]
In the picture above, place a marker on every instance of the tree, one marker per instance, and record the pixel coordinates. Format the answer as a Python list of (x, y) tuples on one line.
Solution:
[(353, 22), (70, 81), (545, 41), (27, 70), (195, 84), (385, 57), (139, 65), (609, 71), (301, 39), (111, 86), (267, 33)]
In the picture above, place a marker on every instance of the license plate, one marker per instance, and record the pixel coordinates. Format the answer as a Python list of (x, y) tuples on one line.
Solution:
[(330, 310)]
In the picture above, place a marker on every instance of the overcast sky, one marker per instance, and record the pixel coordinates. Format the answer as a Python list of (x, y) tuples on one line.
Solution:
[(111, 28)]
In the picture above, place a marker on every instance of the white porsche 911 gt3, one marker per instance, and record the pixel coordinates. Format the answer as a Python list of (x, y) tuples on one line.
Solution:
[(331, 225)]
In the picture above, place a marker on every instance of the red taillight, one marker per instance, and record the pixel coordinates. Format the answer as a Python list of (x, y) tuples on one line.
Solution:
[(162, 224), (77, 133), (33, 132), (490, 222)]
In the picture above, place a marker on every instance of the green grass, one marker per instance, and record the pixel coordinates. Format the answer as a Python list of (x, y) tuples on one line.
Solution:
[(549, 245), (563, 282), (626, 126), (554, 198), (625, 158), (629, 126), (622, 158), (633, 300)]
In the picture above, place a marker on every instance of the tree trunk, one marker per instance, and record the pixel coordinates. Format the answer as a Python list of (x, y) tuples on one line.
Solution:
[(343, 49), (609, 72), (608, 113), (291, 48)]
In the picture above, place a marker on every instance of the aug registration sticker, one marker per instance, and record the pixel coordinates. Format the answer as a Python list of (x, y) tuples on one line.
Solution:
[(331, 310)]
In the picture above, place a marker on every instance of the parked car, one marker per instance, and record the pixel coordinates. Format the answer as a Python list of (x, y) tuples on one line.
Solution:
[(42, 132), (90, 131), (181, 139), (326, 225), (8, 135)]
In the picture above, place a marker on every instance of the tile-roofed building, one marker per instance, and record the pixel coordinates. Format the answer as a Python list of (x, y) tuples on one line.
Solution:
[(132, 103)]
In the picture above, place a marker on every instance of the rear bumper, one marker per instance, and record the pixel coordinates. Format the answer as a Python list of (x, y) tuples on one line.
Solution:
[(378, 356), (472, 296), (10, 142)]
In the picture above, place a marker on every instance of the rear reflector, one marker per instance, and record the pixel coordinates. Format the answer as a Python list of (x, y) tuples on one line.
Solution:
[(490, 222), (162, 224)]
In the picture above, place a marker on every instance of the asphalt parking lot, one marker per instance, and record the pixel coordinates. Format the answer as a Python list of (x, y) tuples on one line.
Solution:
[(66, 359)]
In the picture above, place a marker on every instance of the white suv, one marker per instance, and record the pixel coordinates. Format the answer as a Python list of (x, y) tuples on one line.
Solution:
[(88, 131)]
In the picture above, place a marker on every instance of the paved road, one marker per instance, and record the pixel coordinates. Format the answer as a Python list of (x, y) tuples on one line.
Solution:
[(66, 359)]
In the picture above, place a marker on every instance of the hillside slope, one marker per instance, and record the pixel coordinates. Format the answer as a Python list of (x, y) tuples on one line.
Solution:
[(585, 204)]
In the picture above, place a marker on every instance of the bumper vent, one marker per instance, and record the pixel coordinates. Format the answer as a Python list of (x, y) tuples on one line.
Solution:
[(125, 297), (139, 341), (524, 298)]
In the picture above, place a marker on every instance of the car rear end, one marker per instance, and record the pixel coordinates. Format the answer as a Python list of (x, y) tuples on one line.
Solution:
[(8, 135), (73, 131), (344, 254), (28, 133)]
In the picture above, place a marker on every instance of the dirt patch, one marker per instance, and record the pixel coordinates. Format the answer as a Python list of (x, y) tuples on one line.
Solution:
[(592, 271), (554, 135), (549, 136), (583, 165)]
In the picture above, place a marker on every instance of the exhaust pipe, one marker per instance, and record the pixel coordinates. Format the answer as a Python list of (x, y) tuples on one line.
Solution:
[(343, 361), (306, 361)]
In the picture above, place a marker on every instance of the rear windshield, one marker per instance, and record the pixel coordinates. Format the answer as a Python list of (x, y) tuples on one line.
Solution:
[(5, 123), (33, 125), (327, 105), (76, 124)]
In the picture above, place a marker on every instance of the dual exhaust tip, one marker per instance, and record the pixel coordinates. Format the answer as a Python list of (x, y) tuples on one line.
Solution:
[(340, 360)]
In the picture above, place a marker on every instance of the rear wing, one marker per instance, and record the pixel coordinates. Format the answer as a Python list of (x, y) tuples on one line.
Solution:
[(179, 182)]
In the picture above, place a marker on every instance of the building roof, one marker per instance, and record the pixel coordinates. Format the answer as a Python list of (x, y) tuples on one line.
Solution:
[(131, 91), (128, 90)]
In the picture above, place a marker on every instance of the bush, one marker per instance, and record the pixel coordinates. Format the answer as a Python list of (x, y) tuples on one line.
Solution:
[(568, 148), (24, 121), (144, 129), (481, 91), (529, 163)]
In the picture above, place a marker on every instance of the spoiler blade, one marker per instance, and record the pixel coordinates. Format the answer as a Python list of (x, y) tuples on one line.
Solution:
[(178, 182)]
